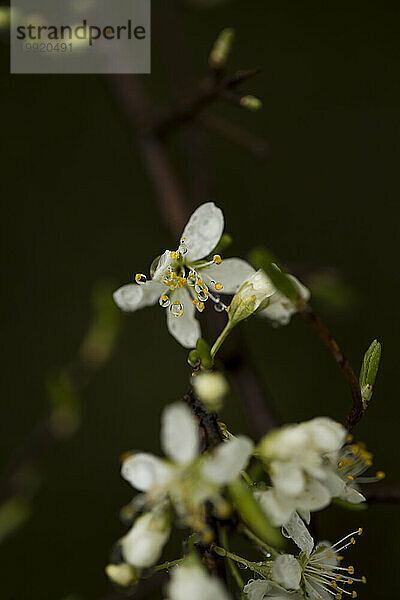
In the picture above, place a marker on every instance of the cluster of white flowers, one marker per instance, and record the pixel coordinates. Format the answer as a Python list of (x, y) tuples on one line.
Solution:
[(183, 481), (307, 464), (183, 281)]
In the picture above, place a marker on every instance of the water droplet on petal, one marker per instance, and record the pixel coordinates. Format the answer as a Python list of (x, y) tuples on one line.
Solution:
[(140, 278), (164, 301), (176, 308)]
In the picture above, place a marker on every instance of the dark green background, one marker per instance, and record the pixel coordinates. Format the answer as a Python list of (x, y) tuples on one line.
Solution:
[(77, 208)]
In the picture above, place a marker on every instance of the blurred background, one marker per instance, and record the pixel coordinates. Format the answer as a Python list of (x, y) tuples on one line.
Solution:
[(79, 211)]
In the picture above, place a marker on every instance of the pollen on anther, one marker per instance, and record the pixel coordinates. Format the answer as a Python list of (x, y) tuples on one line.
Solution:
[(217, 259), (360, 530), (364, 579), (381, 475), (219, 286), (350, 570)]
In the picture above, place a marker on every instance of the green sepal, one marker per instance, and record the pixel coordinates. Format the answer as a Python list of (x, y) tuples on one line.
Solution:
[(203, 351), (349, 505)]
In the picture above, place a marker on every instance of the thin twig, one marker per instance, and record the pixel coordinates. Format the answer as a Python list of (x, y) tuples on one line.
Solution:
[(236, 134), (382, 494), (356, 410)]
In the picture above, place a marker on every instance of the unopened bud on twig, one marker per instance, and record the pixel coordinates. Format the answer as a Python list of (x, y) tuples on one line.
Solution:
[(369, 371), (221, 49), (250, 102)]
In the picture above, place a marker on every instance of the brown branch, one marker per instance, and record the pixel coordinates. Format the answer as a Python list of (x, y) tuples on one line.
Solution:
[(236, 134), (210, 90), (382, 494), (356, 410)]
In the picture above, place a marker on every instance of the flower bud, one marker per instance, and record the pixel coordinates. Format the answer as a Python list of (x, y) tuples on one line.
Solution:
[(252, 295), (211, 389), (143, 544), (122, 574)]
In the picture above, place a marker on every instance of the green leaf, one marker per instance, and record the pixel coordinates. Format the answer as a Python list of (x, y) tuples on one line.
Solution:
[(194, 359), (252, 514), (261, 258), (370, 364)]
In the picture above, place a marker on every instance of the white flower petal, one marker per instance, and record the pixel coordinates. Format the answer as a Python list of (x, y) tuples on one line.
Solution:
[(229, 458), (280, 308), (258, 589), (132, 296), (144, 471), (203, 231), (315, 497), (351, 494), (192, 582), (277, 508), (327, 435), (232, 272), (288, 478), (185, 329), (286, 571), (298, 532), (143, 544), (180, 433), (164, 262)]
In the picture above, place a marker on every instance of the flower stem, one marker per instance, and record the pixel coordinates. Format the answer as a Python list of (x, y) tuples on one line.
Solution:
[(167, 565), (227, 554), (259, 542), (232, 567), (220, 340)]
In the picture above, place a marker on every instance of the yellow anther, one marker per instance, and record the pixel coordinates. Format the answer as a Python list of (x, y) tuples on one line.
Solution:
[(217, 259), (350, 570), (202, 306), (175, 255), (228, 308), (195, 301), (338, 596), (368, 463), (334, 585), (340, 464), (354, 594), (364, 579), (360, 530), (339, 558), (381, 475), (350, 477), (219, 287), (352, 541), (350, 581), (355, 449), (349, 438)]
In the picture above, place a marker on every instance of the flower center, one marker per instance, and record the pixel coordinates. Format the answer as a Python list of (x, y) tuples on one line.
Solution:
[(182, 274)]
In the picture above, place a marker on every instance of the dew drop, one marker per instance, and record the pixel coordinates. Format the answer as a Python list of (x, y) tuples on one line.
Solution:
[(176, 308), (140, 278), (219, 307), (164, 301)]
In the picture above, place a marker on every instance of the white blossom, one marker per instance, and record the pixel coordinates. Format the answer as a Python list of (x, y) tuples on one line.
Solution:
[(186, 478), (182, 282), (143, 544), (280, 309), (317, 576), (190, 581), (295, 456)]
